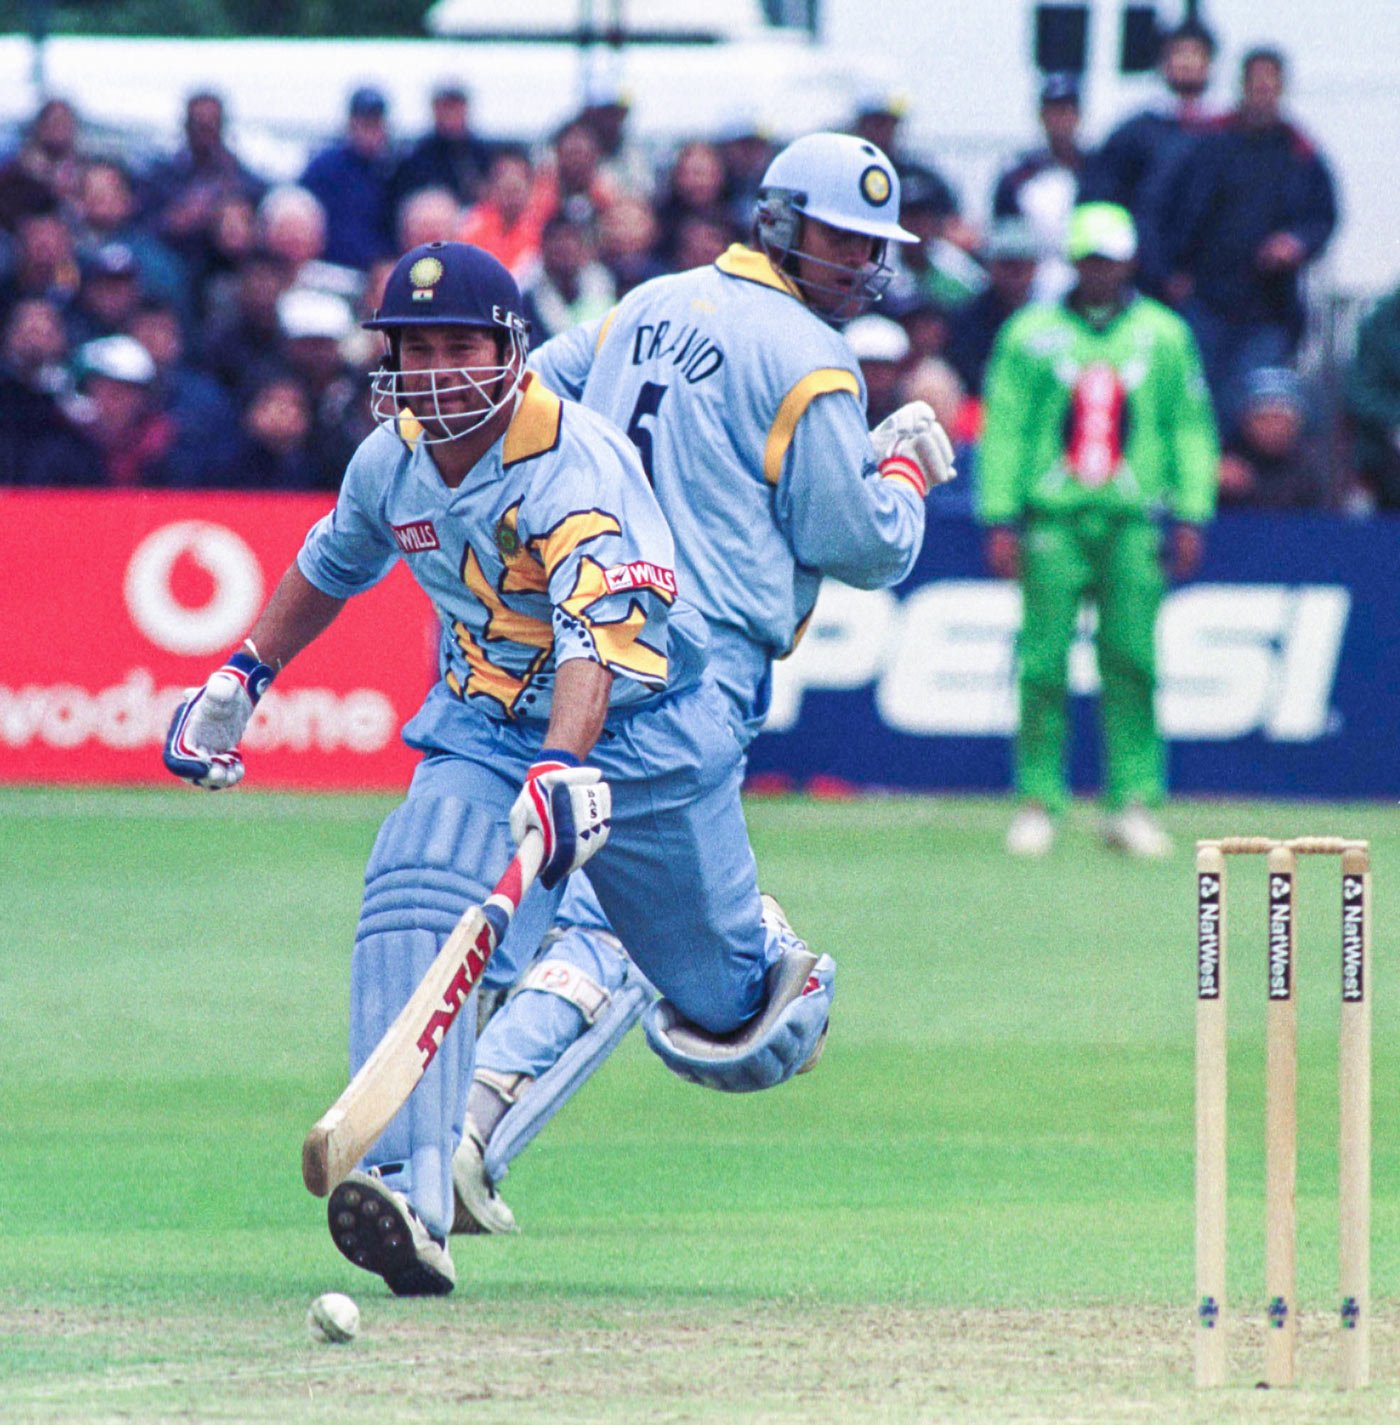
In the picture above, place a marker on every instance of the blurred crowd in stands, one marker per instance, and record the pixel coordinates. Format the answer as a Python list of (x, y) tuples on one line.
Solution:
[(188, 324)]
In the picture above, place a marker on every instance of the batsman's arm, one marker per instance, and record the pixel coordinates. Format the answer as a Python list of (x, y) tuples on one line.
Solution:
[(296, 614), (581, 690), (563, 362), (839, 512)]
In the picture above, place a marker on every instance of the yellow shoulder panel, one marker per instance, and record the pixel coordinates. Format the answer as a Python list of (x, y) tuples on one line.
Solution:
[(814, 384), (535, 426), (743, 262), (408, 427), (555, 545)]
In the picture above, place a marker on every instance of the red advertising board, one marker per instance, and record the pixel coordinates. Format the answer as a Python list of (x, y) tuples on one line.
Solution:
[(113, 602)]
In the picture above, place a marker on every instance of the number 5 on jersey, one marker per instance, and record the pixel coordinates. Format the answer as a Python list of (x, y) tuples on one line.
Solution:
[(648, 403)]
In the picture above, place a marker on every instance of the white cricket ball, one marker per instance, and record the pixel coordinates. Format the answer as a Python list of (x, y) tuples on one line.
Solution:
[(333, 1317)]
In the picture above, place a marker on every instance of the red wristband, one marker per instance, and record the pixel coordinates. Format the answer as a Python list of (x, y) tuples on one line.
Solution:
[(900, 467)]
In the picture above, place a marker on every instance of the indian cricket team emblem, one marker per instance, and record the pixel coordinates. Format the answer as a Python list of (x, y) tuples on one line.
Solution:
[(507, 540), (425, 274), (875, 186)]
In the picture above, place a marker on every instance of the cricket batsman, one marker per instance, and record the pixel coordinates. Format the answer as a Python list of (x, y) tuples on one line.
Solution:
[(571, 702), (747, 407)]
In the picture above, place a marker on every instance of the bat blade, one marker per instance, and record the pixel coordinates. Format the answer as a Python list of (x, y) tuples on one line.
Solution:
[(353, 1123)]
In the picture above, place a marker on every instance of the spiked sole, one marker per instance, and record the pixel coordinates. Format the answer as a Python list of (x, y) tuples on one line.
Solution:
[(370, 1229)]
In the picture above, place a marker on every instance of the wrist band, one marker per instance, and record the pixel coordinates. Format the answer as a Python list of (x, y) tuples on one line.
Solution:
[(253, 649)]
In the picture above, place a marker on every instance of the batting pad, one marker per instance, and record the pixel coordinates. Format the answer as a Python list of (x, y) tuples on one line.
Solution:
[(569, 1013), (780, 1042), (426, 868)]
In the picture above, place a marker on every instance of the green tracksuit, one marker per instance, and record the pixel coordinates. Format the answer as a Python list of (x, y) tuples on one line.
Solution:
[(1091, 434)]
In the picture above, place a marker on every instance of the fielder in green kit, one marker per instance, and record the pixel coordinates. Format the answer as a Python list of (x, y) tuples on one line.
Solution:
[(1097, 427)]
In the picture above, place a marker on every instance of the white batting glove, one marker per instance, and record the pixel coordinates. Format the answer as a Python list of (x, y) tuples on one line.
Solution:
[(911, 444), (202, 745), (569, 806)]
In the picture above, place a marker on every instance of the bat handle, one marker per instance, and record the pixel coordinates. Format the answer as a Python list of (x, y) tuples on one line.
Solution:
[(520, 874)]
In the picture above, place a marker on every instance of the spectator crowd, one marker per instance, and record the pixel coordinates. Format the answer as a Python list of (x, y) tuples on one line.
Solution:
[(189, 324)]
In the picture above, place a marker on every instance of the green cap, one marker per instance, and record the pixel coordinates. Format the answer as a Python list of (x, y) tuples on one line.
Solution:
[(1101, 230)]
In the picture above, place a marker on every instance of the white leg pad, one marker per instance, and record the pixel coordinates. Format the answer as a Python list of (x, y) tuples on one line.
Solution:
[(608, 1016), (784, 1039)]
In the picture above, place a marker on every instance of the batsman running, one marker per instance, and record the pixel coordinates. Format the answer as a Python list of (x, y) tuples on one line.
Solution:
[(748, 410), (572, 704)]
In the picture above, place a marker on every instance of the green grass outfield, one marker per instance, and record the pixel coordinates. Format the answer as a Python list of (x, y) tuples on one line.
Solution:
[(979, 1208)]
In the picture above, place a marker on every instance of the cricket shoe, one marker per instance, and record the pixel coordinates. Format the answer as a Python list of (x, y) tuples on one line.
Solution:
[(477, 1206), (1136, 831), (1031, 833), (374, 1226)]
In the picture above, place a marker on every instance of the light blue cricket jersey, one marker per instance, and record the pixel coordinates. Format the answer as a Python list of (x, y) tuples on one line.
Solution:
[(552, 548), (749, 413)]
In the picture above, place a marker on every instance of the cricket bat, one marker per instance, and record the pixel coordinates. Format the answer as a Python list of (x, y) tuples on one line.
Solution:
[(353, 1123)]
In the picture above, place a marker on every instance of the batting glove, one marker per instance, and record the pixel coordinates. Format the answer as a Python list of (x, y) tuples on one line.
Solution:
[(911, 445), (569, 806), (202, 745)]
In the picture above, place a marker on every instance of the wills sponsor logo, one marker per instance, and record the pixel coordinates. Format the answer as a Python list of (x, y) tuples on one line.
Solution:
[(415, 537), (455, 995), (1208, 937), (1353, 940), (1280, 937), (640, 575)]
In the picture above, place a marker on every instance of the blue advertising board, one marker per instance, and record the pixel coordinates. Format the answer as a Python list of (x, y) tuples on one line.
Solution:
[(1279, 669)]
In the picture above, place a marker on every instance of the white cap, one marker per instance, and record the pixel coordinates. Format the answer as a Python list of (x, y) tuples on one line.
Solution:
[(119, 358), (305, 312), (877, 339)]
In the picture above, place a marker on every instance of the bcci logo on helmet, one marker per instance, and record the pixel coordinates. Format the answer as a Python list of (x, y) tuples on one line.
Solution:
[(425, 274), (875, 186)]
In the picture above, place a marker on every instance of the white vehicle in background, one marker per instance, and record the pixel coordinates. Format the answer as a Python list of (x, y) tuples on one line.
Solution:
[(286, 96)]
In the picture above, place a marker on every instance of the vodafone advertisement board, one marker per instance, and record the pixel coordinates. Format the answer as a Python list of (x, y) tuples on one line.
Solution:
[(113, 602)]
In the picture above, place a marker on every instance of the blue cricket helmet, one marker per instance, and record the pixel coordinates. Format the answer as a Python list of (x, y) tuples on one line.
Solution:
[(450, 284)]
